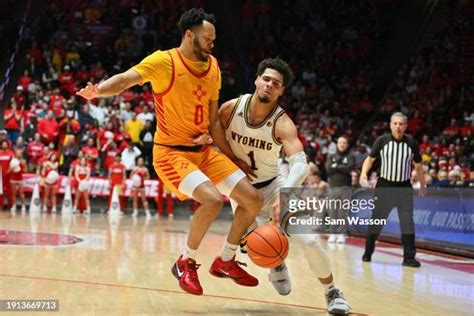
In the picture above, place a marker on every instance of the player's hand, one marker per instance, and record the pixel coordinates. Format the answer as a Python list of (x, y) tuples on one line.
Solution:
[(203, 139), (363, 180), (422, 191), (91, 91), (245, 168)]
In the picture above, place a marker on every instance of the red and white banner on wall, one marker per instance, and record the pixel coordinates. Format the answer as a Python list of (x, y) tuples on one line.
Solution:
[(97, 186)]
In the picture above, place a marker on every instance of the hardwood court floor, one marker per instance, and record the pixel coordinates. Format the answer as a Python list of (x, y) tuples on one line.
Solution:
[(122, 266)]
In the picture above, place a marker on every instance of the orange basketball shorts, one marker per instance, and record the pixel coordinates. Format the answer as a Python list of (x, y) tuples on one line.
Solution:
[(173, 165)]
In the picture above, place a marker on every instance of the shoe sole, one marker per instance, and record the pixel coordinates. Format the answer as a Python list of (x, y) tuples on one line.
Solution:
[(174, 271), (284, 294), (224, 276), (411, 266), (338, 312)]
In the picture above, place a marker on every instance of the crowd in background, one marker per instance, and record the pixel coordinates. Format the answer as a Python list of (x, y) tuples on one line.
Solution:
[(329, 45)]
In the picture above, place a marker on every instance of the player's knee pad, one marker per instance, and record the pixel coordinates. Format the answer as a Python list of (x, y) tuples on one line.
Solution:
[(227, 185)]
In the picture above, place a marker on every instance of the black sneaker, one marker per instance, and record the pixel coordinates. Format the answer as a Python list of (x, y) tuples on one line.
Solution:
[(366, 257), (411, 263)]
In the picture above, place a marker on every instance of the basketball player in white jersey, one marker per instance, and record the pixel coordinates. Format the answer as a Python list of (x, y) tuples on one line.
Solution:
[(257, 129)]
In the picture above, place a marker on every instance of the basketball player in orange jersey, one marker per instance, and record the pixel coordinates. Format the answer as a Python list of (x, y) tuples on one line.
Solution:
[(258, 129), (186, 81)]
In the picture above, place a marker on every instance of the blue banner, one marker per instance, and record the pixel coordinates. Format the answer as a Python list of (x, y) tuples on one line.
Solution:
[(443, 215)]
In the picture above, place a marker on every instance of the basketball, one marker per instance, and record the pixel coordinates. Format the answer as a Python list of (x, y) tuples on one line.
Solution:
[(267, 247)]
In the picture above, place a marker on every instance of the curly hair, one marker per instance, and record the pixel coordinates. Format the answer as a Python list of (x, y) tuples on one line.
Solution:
[(194, 17), (279, 65)]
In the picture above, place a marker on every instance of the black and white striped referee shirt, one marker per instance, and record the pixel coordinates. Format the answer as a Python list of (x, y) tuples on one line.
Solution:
[(396, 156)]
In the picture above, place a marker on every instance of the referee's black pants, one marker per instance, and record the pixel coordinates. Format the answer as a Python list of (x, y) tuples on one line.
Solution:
[(389, 195)]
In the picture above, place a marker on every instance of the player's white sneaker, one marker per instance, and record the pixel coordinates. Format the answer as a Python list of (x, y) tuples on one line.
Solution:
[(13, 209), (280, 279), (135, 213), (53, 210), (341, 239), (332, 238), (337, 304)]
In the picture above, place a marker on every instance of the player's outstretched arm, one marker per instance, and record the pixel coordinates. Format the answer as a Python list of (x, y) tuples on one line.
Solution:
[(112, 86), (285, 132)]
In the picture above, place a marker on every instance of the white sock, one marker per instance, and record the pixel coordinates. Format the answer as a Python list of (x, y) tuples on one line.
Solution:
[(189, 253), (328, 287), (228, 251)]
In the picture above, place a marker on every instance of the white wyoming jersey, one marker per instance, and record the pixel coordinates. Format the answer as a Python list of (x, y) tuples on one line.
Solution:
[(257, 145)]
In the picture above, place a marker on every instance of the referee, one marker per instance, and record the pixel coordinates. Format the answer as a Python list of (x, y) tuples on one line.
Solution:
[(396, 151)]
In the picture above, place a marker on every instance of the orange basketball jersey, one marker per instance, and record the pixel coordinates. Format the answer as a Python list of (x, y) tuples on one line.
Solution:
[(181, 107)]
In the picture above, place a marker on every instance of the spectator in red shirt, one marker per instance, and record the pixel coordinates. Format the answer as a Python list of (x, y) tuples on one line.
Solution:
[(66, 80), (452, 129), (34, 152), (19, 96), (147, 96), (13, 122), (83, 76), (4, 137), (128, 95), (56, 102), (48, 128), (25, 80), (425, 143), (109, 151), (97, 73)]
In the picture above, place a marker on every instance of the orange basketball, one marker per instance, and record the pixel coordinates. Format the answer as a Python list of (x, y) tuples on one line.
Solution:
[(267, 247)]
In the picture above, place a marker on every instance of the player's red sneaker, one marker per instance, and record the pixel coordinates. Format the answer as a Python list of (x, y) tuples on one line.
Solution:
[(231, 269), (185, 270)]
